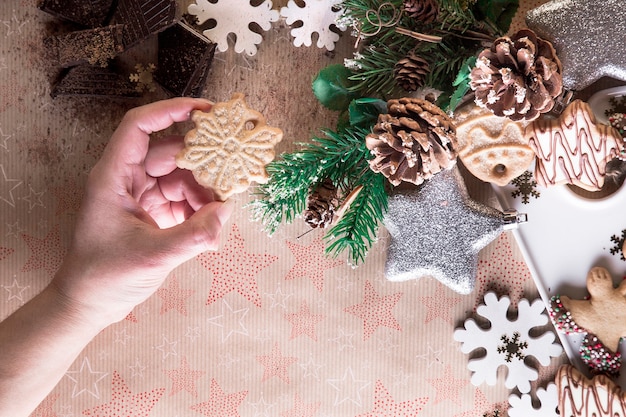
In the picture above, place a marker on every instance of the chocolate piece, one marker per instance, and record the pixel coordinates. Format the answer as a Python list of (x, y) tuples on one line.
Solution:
[(94, 46), (92, 81), (184, 61), (144, 18), (89, 13)]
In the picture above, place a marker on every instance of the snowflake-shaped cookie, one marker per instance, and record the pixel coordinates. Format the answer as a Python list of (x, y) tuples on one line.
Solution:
[(522, 406), (229, 148), (507, 342), (234, 16), (317, 16)]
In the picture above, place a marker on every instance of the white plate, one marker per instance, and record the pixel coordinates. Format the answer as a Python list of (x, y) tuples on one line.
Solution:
[(566, 235)]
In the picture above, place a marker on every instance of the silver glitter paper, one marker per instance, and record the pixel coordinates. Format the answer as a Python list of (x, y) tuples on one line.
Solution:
[(437, 230), (588, 37)]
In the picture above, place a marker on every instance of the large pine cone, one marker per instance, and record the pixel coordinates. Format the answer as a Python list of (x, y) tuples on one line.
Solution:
[(425, 11), (518, 77), (412, 142), (410, 72)]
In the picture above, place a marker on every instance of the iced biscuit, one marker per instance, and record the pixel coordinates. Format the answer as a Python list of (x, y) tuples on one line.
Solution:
[(492, 148), (229, 147), (573, 149), (602, 316), (580, 396)]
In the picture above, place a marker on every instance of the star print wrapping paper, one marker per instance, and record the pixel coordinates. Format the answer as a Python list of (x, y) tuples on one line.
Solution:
[(262, 326)]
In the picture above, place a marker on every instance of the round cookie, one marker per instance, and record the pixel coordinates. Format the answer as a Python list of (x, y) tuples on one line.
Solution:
[(492, 148), (229, 147)]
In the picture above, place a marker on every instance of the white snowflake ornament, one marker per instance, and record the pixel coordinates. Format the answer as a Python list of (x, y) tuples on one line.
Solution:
[(507, 342), (317, 16), (522, 406), (234, 16)]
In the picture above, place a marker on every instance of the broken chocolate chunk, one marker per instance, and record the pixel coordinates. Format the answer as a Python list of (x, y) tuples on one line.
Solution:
[(143, 18), (93, 81), (94, 46), (184, 60), (88, 13)]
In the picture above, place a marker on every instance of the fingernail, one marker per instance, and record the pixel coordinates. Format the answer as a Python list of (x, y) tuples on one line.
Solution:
[(203, 101)]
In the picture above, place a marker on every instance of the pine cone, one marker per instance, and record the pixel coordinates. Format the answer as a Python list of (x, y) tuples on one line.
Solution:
[(410, 72), (518, 77), (425, 11), (321, 204), (412, 142)]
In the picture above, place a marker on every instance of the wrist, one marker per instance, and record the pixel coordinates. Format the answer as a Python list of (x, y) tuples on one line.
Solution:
[(76, 313)]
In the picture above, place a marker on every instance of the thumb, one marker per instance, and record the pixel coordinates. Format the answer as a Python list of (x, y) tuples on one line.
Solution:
[(199, 233)]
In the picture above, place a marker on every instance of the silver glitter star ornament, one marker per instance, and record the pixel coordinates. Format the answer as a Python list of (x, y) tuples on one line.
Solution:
[(437, 230), (588, 37)]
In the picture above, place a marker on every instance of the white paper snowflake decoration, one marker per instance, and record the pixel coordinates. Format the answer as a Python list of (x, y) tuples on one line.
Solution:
[(522, 406), (234, 16), (317, 16), (507, 342)]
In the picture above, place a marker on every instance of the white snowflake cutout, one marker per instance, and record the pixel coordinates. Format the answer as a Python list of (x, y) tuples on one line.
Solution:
[(522, 406), (507, 342), (234, 16), (317, 16)]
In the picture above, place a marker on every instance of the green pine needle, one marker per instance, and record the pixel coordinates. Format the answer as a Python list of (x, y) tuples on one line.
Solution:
[(342, 157)]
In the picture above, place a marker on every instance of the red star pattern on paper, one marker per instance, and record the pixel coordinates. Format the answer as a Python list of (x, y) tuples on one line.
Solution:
[(276, 364), (68, 197), (304, 322), (47, 253), (124, 402), (5, 252), (448, 387), (174, 297), (301, 409), (375, 310), (220, 404), (311, 261), (234, 269), (132, 317), (184, 378), (386, 406), (483, 406), (45, 408), (440, 305), (502, 273)]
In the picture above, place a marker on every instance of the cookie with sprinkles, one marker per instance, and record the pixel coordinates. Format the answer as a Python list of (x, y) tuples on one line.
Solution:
[(601, 316)]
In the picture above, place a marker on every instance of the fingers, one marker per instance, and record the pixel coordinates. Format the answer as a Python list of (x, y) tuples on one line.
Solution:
[(180, 185), (161, 157), (130, 140), (199, 233)]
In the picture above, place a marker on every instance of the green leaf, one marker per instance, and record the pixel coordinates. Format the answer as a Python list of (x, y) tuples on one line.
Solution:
[(461, 83), (364, 111), (332, 87), (499, 12)]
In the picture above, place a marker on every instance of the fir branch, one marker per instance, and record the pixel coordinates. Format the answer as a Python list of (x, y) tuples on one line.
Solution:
[(374, 74), (356, 231), (342, 157)]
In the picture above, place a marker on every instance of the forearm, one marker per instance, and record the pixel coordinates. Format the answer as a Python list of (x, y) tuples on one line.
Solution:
[(38, 343)]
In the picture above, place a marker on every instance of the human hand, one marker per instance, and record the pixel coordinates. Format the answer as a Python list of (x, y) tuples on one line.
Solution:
[(140, 218)]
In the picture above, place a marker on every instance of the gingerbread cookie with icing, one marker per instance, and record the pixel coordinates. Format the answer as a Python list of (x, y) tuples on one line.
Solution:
[(229, 147), (574, 148), (602, 316)]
